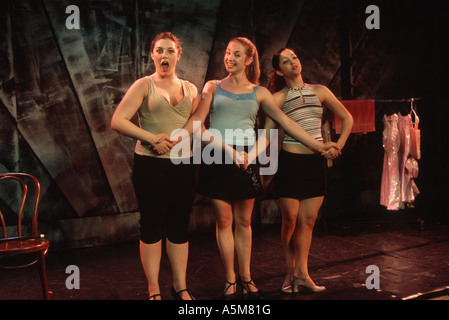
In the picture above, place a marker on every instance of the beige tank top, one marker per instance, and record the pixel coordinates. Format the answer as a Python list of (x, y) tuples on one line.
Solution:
[(157, 115)]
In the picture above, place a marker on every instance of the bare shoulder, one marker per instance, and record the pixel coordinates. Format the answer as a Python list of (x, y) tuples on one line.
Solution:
[(280, 96), (211, 84), (141, 82), (209, 89), (263, 94), (281, 92), (140, 86), (263, 91), (319, 89), (192, 87)]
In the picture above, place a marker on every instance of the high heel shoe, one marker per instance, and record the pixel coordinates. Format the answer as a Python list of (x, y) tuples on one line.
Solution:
[(301, 282), (229, 285), (287, 287), (178, 296), (256, 295)]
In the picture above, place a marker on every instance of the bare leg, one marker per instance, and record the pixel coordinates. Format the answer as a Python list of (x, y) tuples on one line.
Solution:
[(303, 235), (178, 255), (243, 236), (225, 238), (150, 256), (290, 212)]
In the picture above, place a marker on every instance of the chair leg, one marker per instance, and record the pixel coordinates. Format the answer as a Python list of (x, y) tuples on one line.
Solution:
[(43, 275)]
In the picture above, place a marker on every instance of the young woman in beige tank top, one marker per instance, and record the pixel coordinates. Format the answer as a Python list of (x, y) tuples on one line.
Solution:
[(163, 102)]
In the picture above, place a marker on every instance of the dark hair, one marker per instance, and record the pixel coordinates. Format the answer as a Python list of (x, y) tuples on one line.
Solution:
[(253, 70), (167, 35), (277, 82)]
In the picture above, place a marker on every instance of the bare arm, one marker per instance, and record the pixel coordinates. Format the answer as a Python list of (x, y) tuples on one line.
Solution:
[(331, 102), (272, 109), (196, 97), (200, 114), (203, 108), (263, 141), (121, 119)]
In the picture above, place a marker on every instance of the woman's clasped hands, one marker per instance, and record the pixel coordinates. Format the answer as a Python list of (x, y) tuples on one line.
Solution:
[(331, 150), (163, 144)]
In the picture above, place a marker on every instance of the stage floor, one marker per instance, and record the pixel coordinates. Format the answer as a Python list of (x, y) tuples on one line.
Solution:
[(410, 261)]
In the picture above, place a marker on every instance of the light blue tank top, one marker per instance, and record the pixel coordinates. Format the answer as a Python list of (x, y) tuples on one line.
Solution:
[(234, 116)]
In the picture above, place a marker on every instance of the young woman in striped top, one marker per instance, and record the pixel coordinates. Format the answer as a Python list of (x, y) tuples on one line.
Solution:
[(300, 179)]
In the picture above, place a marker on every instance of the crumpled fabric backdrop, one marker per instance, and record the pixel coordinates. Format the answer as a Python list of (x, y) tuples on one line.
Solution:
[(60, 87)]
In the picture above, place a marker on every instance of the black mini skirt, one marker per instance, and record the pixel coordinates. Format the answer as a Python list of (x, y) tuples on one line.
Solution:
[(228, 182), (300, 176)]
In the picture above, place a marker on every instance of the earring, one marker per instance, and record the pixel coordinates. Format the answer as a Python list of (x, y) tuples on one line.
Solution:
[(279, 73)]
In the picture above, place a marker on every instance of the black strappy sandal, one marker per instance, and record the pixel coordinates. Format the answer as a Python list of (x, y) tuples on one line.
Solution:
[(230, 296), (153, 297), (177, 295), (255, 295)]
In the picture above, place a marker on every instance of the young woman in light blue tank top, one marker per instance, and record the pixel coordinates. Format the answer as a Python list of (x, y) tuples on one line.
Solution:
[(237, 112), (233, 103)]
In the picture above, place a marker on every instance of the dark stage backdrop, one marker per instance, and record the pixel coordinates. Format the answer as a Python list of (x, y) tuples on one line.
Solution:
[(60, 87)]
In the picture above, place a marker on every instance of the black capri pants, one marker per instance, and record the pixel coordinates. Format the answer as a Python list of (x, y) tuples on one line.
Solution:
[(165, 193)]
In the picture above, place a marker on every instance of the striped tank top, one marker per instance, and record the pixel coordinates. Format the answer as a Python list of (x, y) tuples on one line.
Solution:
[(304, 107)]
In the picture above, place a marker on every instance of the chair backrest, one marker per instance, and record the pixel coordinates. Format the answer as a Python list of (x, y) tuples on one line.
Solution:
[(24, 180)]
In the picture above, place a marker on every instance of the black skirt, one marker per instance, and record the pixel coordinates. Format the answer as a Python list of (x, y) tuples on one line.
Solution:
[(228, 182), (300, 176)]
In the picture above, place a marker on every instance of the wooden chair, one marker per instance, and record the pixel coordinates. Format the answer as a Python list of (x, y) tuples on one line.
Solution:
[(33, 245)]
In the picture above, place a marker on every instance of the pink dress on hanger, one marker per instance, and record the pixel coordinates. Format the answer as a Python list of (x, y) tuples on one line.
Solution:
[(409, 166), (390, 189)]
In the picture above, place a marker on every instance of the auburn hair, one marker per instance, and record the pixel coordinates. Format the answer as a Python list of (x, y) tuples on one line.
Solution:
[(253, 70), (167, 35)]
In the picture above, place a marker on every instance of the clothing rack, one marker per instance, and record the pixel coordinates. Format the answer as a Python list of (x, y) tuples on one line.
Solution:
[(412, 101), (399, 100)]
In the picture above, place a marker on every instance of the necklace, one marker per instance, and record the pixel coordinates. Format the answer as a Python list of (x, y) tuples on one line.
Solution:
[(300, 91), (300, 88)]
